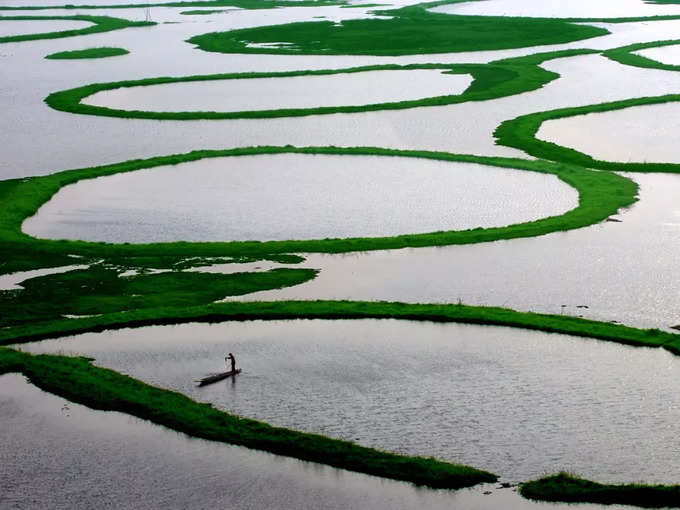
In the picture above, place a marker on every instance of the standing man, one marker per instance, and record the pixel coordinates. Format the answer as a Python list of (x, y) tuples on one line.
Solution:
[(233, 361)]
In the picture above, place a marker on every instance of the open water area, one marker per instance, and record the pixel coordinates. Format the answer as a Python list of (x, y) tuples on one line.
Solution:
[(519, 403)]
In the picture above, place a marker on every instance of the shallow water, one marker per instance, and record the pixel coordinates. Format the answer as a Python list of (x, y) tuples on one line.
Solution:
[(278, 93), (518, 403), (666, 55), (639, 134), (621, 271), (295, 196), (12, 281), (51, 452), (22, 27), (560, 8)]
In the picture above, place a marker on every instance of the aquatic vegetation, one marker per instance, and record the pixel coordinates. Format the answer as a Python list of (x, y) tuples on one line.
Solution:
[(490, 81), (520, 133), (567, 488), (102, 52), (626, 55), (100, 24), (410, 30)]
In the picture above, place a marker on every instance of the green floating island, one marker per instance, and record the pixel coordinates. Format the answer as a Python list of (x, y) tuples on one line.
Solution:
[(566, 488), (99, 24), (102, 52), (626, 55), (201, 12), (409, 31)]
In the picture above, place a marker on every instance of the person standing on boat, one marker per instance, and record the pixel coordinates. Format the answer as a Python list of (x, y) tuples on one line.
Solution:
[(233, 361)]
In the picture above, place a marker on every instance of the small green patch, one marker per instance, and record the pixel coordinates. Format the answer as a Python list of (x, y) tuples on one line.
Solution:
[(102, 52), (200, 12), (566, 488), (100, 24)]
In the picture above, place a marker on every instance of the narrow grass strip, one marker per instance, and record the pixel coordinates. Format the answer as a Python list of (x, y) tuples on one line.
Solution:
[(566, 488), (102, 52), (100, 24), (520, 133), (601, 194), (626, 55), (77, 380), (490, 81), (279, 310)]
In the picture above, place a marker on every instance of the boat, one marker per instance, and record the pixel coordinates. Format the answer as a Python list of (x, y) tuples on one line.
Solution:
[(213, 378)]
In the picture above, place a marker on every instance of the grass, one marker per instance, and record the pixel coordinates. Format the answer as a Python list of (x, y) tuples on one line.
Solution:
[(101, 290), (600, 196), (334, 310), (490, 81), (566, 488), (101, 52), (626, 55), (199, 12), (77, 380), (100, 24), (520, 133), (410, 30)]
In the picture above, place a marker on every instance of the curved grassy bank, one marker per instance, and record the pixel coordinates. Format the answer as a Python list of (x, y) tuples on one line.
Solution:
[(625, 55), (490, 81), (100, 24), (77, 380), (520, 133), (600, 195), (410, 30), (102, 52), (278, 310), (566, 488)]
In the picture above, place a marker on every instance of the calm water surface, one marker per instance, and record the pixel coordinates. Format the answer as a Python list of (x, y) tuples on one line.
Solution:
[(666, 54), (296, 196), (292, 92), (515, 402), (620, 271), (21, 27), (638, 134), (51, 455)]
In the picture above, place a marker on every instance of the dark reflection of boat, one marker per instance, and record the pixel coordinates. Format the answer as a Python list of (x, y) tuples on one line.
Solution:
[(218, 377)]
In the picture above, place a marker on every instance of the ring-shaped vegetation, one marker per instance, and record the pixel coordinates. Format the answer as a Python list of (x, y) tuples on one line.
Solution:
[(99, 24), (626, 55), (490, 81), (521, 132), (600, 195)]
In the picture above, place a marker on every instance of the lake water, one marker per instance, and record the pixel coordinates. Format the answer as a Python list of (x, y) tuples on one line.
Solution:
[(351, 89), (21, 27), (518, 403), (295, 196), (560, 9), (51, 455), (639, 134), (666, 54), (621, 271)]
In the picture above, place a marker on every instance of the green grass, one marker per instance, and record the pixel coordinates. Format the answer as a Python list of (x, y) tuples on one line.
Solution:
[(100, 290), (490, 81), (566, 488), (625, 55), (100, 24), (411, 30), (199, 12), (334, 310), (520, 133), (101, 52), (77, 380), (600, 196)]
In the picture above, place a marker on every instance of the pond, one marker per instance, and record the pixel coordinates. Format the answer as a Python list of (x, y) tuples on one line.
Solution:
[(345, 89), (23, 27), (297, 196), (517, 403)]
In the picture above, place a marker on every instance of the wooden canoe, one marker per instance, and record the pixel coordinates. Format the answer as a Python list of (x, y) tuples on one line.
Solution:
[(217, 377)]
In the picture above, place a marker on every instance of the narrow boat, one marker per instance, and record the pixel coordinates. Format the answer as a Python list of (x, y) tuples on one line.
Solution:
[(217, 377)]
